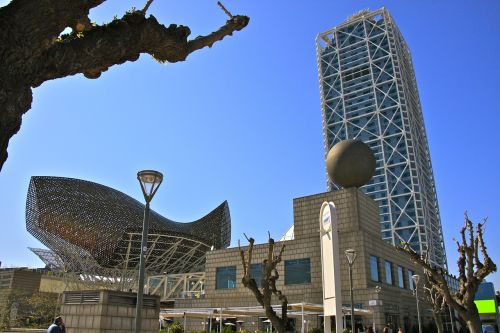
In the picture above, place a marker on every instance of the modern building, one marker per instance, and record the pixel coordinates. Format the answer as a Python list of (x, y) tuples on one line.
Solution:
[(80, 218), (224, 299), (22, 279), (487, 306), (369, 93), (15, 283)]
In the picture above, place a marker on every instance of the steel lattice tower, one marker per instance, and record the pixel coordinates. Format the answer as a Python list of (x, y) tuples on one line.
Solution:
[(369, 93)]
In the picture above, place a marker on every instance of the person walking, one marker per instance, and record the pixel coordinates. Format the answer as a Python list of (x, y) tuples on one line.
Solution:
[(57, 326), (400, 330)]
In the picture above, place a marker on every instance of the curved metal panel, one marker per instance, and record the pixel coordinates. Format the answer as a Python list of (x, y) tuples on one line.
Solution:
[(77, 218)]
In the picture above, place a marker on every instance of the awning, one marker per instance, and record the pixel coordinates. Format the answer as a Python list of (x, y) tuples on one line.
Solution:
[(294, 310)]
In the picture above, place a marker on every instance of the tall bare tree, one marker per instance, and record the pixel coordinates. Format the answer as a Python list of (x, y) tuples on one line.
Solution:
[(32, 49), (437, 302), (474, 264), (270, 275)]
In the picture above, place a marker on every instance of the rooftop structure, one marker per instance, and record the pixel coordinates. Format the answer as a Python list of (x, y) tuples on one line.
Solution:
[(369, 93)]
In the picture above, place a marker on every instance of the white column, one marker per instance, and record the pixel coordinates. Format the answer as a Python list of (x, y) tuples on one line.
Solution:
[(326, 324)]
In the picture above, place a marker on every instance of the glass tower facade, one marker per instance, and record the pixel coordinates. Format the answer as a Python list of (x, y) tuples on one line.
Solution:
[(369, 93)]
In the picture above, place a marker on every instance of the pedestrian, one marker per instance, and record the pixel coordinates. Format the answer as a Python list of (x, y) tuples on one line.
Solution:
[(368, 329), (400, 330), (57, 326), (386, 329)]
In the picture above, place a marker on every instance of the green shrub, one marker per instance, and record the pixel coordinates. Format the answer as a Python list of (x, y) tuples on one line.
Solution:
[(175, 327), (316, 330), (227, 329)]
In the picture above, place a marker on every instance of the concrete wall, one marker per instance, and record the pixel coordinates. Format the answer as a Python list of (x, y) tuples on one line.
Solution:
[(107, 311)]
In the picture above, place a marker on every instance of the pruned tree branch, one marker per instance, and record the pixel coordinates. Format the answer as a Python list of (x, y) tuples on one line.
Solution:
[(247, 280), (146, 7), (224, 9), (268, 288), (120, 41), (471, 272)]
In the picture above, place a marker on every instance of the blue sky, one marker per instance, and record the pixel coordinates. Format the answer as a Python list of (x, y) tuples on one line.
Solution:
[(242, 121)]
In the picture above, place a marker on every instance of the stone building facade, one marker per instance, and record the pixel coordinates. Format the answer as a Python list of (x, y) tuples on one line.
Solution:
[(377, 264), (16, 282)]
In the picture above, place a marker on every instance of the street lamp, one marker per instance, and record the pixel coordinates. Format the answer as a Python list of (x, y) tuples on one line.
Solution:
[(378, 289), (150, 181), (416, 278), (351, 256)]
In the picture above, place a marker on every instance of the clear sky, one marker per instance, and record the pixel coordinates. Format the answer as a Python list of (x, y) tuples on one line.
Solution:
[(242, 121)]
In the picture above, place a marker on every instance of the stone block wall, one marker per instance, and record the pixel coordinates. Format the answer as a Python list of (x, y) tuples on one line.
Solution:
[(359, 229), (108, 311)]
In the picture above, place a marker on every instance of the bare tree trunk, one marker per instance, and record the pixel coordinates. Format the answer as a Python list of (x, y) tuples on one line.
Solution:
[(438, 321), (14, 102), (474, 322)]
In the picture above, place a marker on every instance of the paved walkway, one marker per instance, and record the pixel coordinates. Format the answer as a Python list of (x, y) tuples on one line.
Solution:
[(27, 330)]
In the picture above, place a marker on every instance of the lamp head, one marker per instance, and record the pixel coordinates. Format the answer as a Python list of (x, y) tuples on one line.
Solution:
[(351, 255), (415, 279), (150, 181)]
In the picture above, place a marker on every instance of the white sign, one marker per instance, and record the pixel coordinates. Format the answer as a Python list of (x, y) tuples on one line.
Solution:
[(330, 263), (374, 302), (326, 219)]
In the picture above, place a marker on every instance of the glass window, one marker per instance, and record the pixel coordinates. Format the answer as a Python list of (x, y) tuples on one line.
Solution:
[(226, 277), (401, 280), (297, 271), (374, 268), (388, 272), (410, 279), (256, 273)]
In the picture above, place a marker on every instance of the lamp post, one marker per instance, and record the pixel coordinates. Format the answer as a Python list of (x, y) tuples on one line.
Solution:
[(351, 256), (378, 289), (416, 278), (150, 182)]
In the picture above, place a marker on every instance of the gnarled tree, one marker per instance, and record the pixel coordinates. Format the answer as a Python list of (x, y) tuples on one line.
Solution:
[(32, 49), (270, 275), (472, 270)]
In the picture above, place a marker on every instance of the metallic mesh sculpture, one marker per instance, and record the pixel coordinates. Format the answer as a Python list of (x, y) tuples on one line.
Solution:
[(96, 231)]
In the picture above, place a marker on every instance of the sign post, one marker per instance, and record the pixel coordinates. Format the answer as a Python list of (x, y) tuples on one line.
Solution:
[(373, 303), (330, 266)]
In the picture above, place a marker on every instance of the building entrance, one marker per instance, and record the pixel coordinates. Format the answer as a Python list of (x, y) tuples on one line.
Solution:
[(392, 319)]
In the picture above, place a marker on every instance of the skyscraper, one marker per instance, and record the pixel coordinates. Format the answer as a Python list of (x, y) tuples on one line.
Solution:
[(369, 93)]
